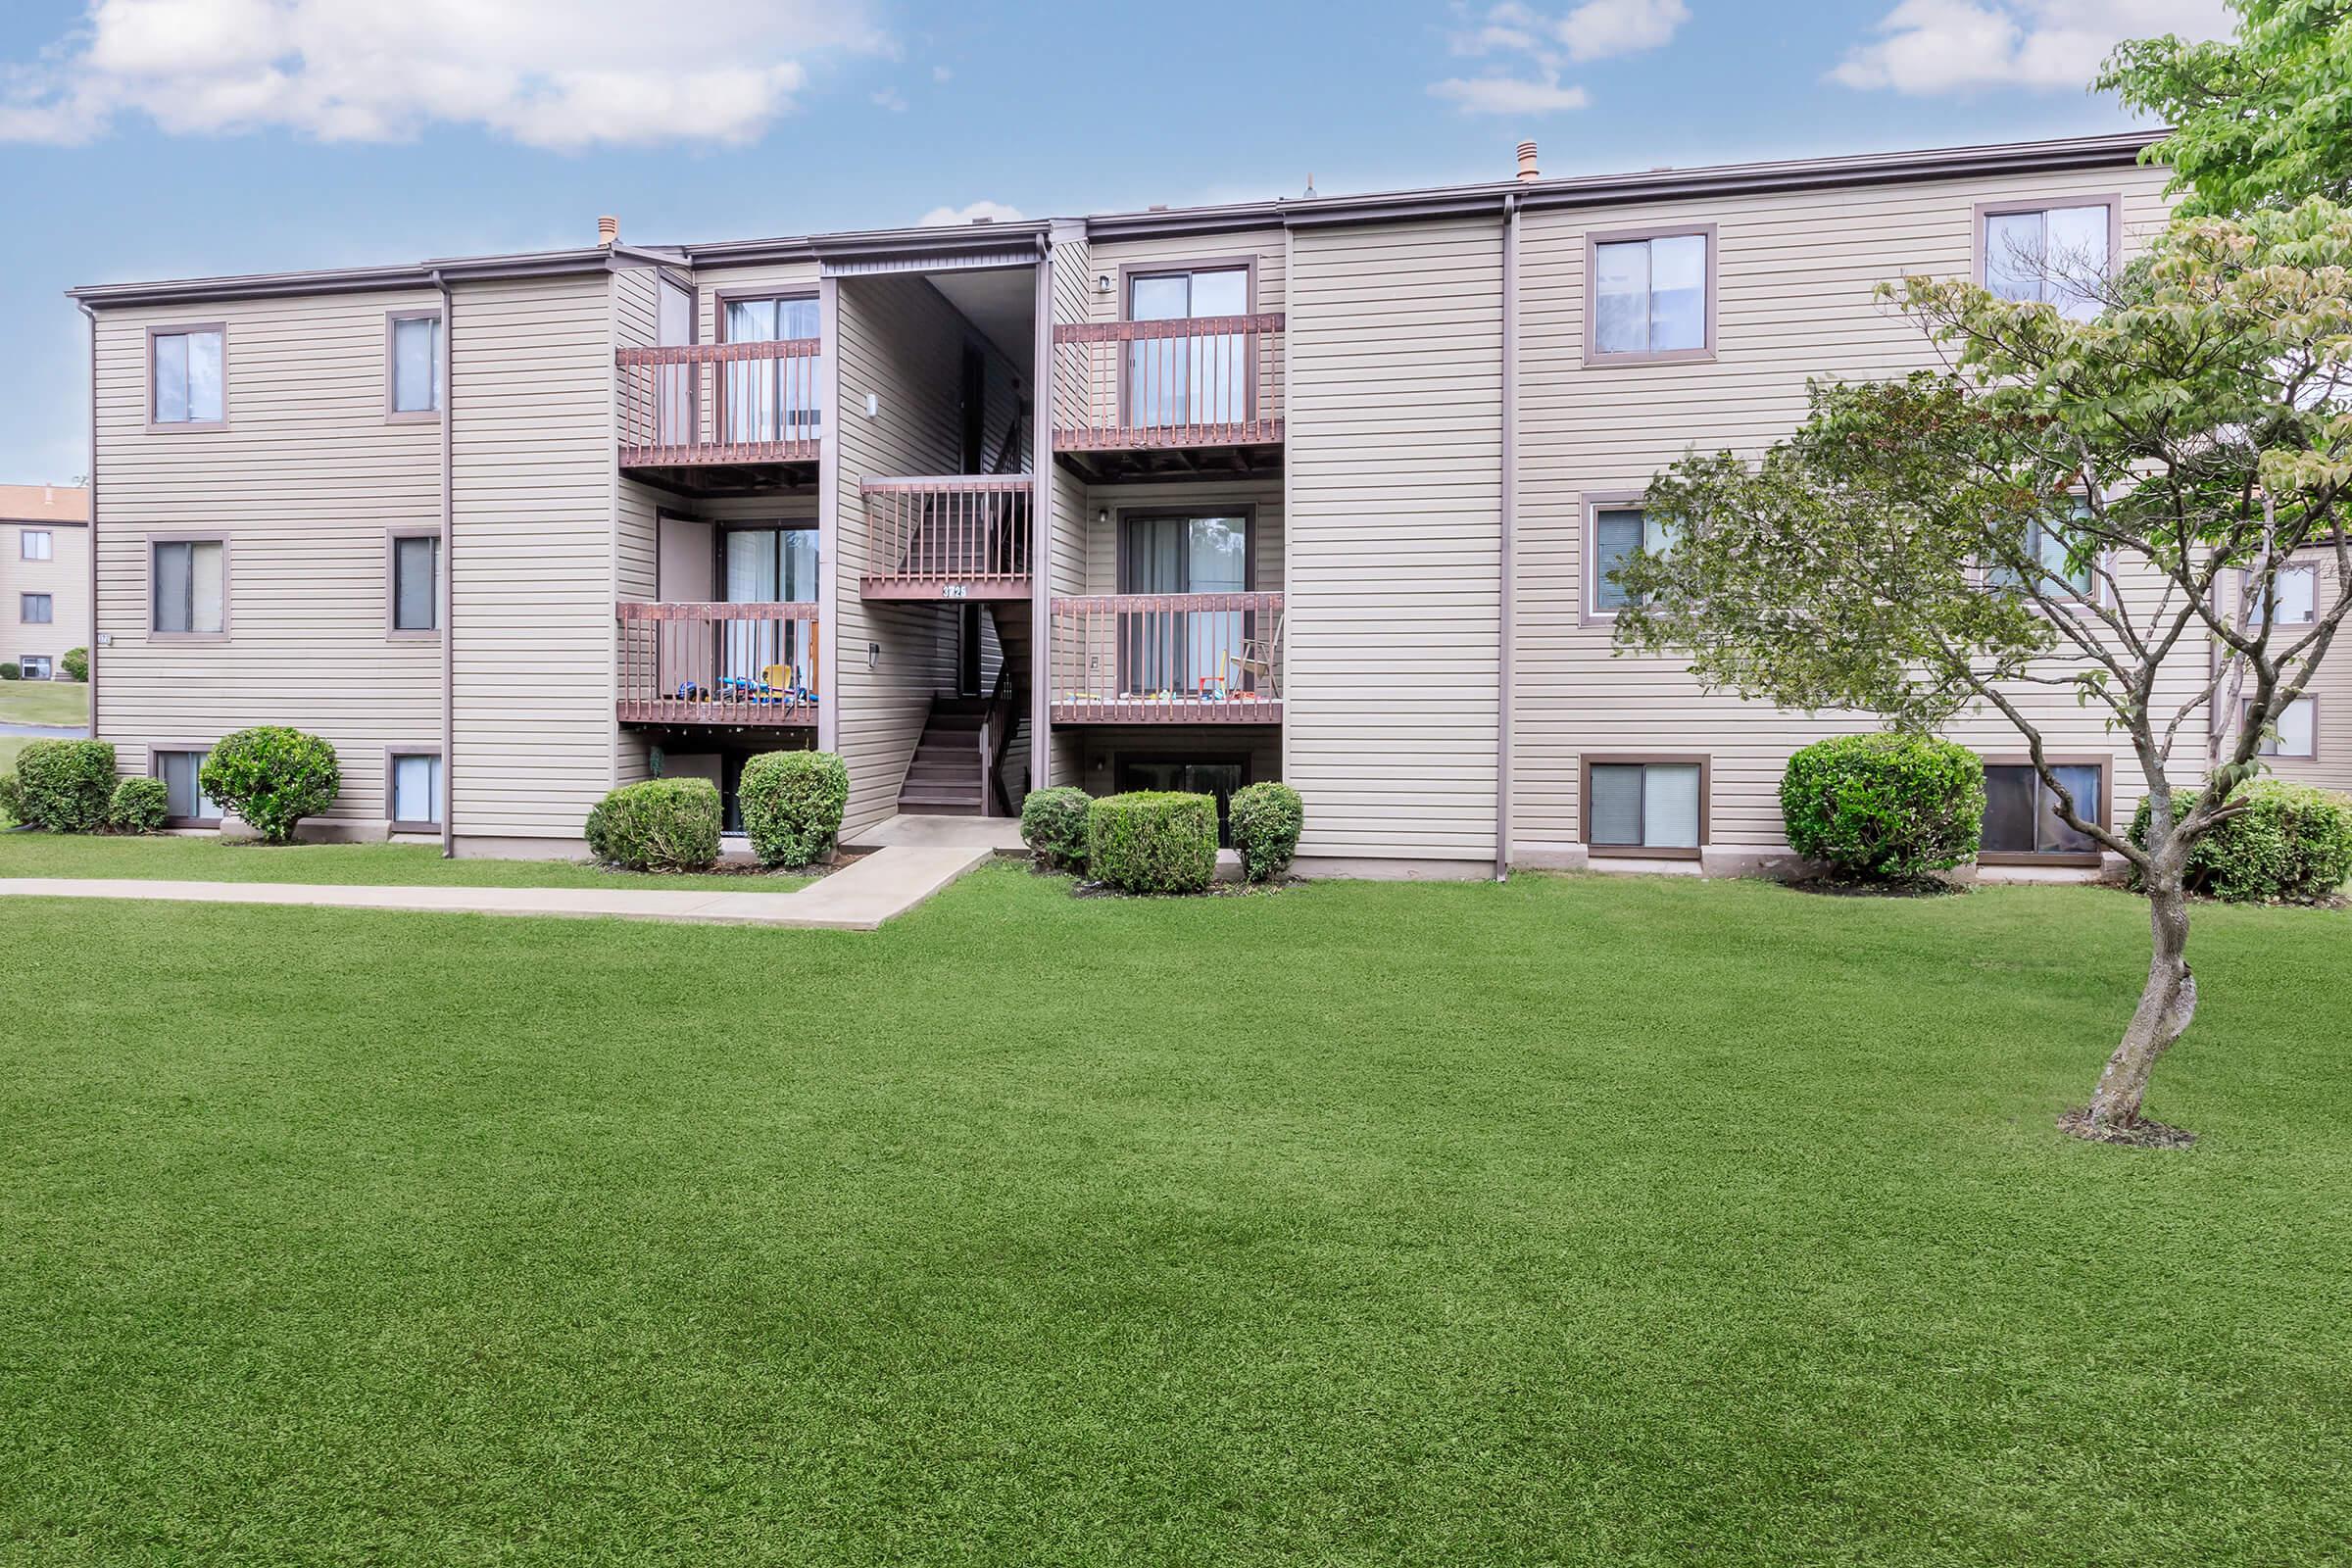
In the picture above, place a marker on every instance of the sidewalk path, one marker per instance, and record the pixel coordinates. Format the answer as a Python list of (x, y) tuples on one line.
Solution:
[(48, 732), (859, 898)]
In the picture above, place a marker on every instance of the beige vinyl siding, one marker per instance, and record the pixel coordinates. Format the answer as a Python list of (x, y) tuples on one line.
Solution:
[(304, 484), (1394, 473), (1797, 278), (896, 337), (533, 559), (65, 577), (2330, 689), (635, 298)]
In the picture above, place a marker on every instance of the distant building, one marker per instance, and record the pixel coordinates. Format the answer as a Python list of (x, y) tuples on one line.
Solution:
[(44, 576)]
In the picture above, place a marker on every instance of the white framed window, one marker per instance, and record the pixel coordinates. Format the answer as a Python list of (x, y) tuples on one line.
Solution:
[(413, 789), (1653, 295), (2052, 546), (1652, 807), (412, 368), (1614, 532), (2053, 254), (35, 667), (37, 610), (412, 584), (36, 544), (187, 376), (186, 804), (188, 588), (2296, 734)]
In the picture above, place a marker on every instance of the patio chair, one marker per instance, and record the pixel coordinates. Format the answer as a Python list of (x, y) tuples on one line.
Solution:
[(1259, 656)]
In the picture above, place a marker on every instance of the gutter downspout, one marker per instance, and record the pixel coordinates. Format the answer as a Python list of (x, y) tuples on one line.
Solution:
[(92, 652), (1506, 627), (1041, 385), (449, 572)]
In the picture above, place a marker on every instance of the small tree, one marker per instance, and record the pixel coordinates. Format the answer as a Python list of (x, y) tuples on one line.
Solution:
[(2080, 504), (2263, 120)]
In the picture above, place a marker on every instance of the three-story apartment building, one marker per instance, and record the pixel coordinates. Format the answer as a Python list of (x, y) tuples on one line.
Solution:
[(1326, 490), (44, 576)]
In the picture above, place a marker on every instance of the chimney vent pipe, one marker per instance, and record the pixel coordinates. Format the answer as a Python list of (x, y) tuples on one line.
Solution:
[(1527, 162), (608, 231)]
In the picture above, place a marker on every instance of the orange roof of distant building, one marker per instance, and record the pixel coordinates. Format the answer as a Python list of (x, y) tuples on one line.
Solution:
[(44, 503)]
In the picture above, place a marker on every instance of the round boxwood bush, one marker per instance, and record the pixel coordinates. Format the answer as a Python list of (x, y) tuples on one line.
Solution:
[(65, 785), (273, 777), (662, 824), (10, 671), (75, 664), (1885, 807), (1266, 820), (11, 801), (139, 806), (2293, 843), (1152, 840), (1054, 826), (792, 804)]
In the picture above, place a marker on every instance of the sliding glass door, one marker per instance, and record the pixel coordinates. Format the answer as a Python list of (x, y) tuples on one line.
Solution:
[(1188, 380), (770, 565), (1182, 652), (770, 400)]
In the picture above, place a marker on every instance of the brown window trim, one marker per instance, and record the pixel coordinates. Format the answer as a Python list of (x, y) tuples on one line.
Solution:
[(157, 750), (721, 299), (24, 538), (1120, 516), (157, 426), (25, 595), (227, 552), (1595, 503), (1644, 852), (392, 539), (1595, 358), (392, 756), (2113, 201), (432, 415), (2095, 857), (1244, 263)]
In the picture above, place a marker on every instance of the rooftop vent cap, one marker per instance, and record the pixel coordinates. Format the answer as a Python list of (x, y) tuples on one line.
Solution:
[(608, 231), (1527, 162)]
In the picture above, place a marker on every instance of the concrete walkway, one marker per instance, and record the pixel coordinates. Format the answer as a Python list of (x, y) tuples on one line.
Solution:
[(1000, 833), (859, 898)]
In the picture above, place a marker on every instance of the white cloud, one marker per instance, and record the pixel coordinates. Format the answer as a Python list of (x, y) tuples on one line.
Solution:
[(994, 212), (1925, 47), (940, 73), (560, 73), (1597, 29), (1508, 95), (891, 99)]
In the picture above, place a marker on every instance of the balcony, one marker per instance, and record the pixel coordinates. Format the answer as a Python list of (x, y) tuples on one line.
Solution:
[(1146, 400), (1167, 659), (718, 665), (951, 536), (721, 418)]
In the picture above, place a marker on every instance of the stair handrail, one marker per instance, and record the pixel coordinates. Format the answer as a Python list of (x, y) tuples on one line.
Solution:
[(992, 744)]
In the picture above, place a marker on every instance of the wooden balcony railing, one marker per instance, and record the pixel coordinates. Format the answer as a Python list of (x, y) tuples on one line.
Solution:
[(1167, 659), (703, 404), (1127, 385), (951, 536), (712, 663)]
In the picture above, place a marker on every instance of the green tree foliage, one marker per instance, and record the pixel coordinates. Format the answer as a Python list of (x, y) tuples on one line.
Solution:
[(2263, 120)]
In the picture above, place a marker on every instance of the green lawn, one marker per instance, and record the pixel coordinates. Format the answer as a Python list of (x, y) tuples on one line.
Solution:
[(1592, 1220), (209, 859), (44, 702)]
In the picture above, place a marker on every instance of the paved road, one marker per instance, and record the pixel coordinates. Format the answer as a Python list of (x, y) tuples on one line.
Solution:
[(48, 732)]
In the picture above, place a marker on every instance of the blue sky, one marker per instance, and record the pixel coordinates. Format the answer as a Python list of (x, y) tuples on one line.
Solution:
[(172, 138)]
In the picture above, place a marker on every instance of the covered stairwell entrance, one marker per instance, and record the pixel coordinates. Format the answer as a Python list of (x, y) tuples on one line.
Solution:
[(973, 758)]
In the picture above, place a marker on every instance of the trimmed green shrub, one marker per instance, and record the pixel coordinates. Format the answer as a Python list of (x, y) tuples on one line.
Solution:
[(1885, 807), (2292, 843), (792, 804), (10, 671), (1152, 840), (67, 785), (660, 824), (273, 777), (11, 801), (75, 664), (1266, 820), (139, 806), (1054, 826)]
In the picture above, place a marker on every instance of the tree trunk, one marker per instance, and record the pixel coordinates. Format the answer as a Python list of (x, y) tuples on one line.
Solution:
[(2166, 1007)]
